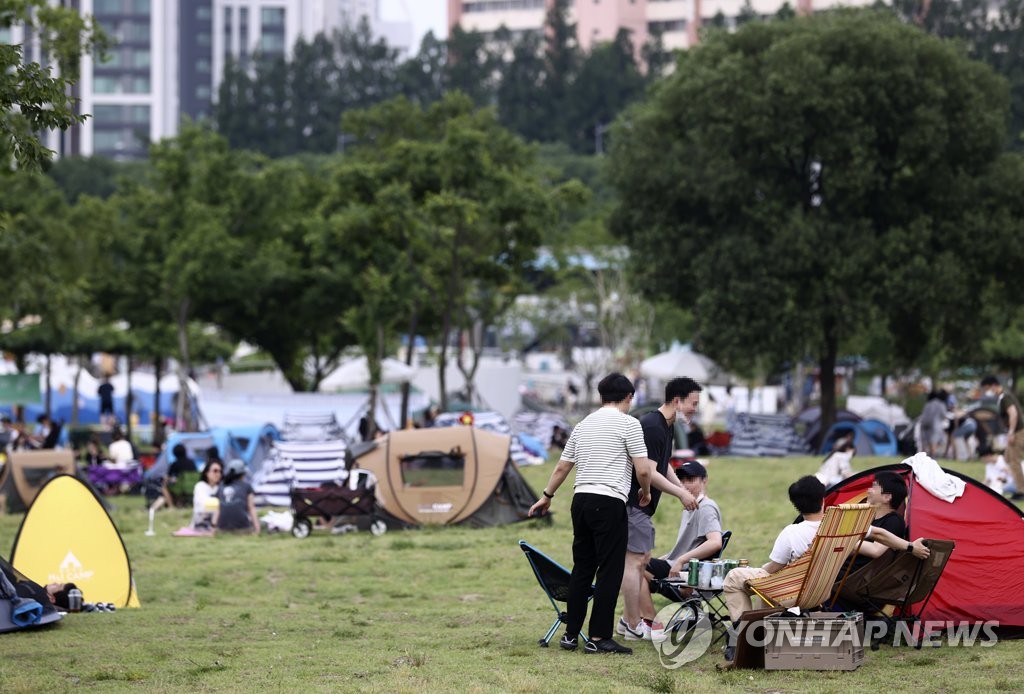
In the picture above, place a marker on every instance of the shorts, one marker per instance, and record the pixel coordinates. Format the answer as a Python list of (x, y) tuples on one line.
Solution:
[(641, 531)]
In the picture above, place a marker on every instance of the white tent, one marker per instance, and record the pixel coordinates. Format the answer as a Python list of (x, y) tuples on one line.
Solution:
[(668, 365), (355, 374)]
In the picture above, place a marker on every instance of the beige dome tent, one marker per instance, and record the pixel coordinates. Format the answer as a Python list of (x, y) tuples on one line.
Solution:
[(448, 476), (26, 472)]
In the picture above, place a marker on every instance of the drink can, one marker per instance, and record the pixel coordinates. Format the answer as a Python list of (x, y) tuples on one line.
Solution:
[(744, 563), (693, 575), (731, 564), (74, 600)]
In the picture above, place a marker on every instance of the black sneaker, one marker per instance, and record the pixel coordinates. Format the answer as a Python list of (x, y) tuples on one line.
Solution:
[(730, 653), (567, 643), (606, 646)]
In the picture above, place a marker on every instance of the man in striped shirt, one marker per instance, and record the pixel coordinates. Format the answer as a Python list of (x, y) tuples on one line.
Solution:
[(605, 448)]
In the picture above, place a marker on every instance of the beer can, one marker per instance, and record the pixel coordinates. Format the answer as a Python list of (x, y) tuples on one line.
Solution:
[(744, 563), (731, 564), (693, 575)]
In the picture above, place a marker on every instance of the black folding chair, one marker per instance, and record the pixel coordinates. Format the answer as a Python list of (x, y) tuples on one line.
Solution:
[(899, 580), (554, 581)]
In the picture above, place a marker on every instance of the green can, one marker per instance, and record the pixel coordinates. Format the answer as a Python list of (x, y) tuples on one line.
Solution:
[(693, 575), (731, 564)]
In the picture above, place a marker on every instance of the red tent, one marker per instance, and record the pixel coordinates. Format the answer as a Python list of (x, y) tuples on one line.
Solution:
[(984, 579)]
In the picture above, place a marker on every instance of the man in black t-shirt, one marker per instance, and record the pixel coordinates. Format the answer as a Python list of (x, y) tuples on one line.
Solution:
[(886, 494), (681, 395)]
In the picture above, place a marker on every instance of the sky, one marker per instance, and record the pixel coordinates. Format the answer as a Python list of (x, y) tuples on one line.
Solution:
[(425, 15)]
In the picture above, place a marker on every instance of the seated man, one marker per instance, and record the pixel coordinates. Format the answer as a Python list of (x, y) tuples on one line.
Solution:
[(807, 494), (700, 534), (886, 494)]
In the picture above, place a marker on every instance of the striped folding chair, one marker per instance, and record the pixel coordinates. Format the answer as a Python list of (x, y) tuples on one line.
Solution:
[(807, 582)]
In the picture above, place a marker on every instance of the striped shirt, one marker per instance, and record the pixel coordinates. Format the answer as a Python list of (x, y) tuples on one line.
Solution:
[(602, 447)]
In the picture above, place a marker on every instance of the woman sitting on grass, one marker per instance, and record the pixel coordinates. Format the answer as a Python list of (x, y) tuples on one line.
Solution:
[(237, 501)]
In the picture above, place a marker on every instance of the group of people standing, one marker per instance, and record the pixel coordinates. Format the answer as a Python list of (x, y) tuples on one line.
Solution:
[(622, 470)]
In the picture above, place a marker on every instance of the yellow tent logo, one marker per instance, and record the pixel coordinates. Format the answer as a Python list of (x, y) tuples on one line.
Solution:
[(70, 571), (67, 537)]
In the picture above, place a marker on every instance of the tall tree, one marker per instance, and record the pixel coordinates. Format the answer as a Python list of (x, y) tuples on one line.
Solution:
[(789, 178), (33, 99)]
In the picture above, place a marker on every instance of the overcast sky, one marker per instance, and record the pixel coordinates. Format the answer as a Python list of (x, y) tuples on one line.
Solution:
[(425, 15)]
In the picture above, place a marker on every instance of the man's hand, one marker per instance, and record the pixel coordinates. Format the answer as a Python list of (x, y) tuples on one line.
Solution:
[(643, 496), (920, 551), (689, 501), (540, 507)]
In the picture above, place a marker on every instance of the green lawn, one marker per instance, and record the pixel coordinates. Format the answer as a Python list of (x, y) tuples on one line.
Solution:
[(433, 610)]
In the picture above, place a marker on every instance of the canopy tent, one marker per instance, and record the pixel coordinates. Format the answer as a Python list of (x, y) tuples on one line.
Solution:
[(984, 579), (683, 362), (355, 374)]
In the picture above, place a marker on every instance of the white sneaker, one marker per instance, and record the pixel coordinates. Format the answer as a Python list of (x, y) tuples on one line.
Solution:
[(620, 629), (636, 633), (655, 631)]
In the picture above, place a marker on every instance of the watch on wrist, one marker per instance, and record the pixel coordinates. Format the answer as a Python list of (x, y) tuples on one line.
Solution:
[(910, 548)]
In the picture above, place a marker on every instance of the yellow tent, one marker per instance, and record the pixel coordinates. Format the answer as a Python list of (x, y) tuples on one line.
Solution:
[(68, 537)]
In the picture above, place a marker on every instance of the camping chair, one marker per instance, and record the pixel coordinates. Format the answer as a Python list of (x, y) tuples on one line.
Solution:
[(554, 581), (694, 603), (898, 580), (807, 582)]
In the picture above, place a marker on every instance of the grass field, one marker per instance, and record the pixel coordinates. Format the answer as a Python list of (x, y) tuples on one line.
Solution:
[(433, 610)]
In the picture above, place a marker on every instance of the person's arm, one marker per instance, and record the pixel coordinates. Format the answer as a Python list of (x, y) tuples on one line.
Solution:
[(773, 566), (1011, 421), (252, 514), (884, 537), (709, 548), (644, 469), (558, 476)]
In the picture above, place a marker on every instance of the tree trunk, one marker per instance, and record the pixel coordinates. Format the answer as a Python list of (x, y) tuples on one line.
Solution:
[(157, 438), (183, 364), (49, 389), (409, 352), (827, 371), (446, 323), (74, 392), (129, 400)]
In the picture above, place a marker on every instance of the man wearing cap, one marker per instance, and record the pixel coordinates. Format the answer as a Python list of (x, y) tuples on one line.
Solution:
[(681, 395)]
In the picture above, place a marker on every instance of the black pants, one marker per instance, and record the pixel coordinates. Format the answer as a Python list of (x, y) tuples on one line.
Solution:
[(599, 546)]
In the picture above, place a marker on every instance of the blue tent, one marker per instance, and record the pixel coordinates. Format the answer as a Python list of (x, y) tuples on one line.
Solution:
[(870, 437), (249, 443)]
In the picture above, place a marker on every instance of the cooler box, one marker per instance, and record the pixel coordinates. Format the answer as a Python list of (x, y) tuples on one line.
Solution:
[(818, 641)]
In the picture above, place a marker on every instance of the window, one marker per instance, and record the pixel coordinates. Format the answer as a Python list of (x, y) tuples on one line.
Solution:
[(272, 17), (105, 85), (203, 38), (113, 59), (107, 140), (135, 31), (139, 115), (140, 59), (108, 7), (204, 13), (203, 65), (203, 91), (272, 43), (140, 6), (103, 113), (432, 469), (139, 85)]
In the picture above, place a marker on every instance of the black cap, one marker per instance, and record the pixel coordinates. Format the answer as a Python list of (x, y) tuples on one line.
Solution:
[(692, 468)]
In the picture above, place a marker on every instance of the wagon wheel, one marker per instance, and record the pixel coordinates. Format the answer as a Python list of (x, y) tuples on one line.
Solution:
[(301, 528)]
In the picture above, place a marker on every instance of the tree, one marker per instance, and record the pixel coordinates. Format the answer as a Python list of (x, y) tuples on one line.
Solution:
[(32, 98), (795, 180), (482, 211)]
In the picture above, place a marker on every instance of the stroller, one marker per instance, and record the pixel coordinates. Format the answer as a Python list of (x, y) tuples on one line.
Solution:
[(343, 507)]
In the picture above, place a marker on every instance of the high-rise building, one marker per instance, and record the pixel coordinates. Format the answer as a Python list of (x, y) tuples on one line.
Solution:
[(168, 59)]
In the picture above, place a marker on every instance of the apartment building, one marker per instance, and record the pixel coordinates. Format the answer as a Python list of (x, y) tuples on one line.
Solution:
[(169, 56), (678, 21)]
